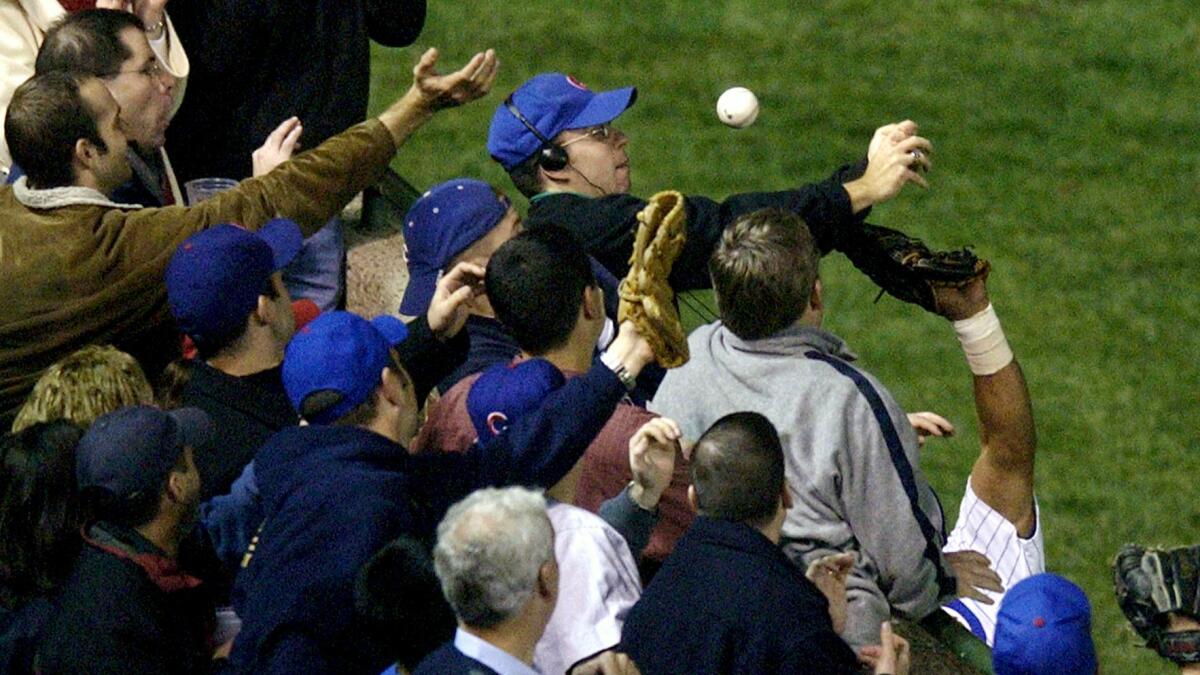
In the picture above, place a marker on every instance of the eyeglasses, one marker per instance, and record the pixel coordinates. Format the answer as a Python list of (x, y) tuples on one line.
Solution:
[(601, 133), (153, 70)]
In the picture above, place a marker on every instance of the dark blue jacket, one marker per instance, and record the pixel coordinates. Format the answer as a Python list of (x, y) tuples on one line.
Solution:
[(333, 496), (728, 601), (447, 660)]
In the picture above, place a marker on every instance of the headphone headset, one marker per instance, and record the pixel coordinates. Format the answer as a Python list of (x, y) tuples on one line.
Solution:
[(551, 156)]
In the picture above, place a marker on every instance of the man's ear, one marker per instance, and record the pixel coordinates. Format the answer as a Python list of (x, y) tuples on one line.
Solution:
[(593, 302), (547, 585), (692, 501), (815, 300), (264, 312), (86, 152), (785, 496), (392, 386), (547, 177)]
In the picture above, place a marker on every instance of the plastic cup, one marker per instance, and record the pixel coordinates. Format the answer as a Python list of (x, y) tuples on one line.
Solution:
[(204, 188)]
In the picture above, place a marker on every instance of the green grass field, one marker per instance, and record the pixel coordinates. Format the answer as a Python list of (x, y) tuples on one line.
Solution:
[(1066, 152)]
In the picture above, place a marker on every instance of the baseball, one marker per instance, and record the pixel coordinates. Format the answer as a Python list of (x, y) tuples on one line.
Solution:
[(737, 107)]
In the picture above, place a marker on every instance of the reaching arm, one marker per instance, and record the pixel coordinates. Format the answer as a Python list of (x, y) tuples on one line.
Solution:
[(1003, 474)]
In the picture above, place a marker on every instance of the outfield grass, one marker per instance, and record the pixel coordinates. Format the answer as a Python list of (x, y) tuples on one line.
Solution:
[(1066, 139)]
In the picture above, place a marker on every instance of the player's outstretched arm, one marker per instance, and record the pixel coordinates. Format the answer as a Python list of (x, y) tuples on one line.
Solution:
[(1003, 474), (432, 91), (895, 157)]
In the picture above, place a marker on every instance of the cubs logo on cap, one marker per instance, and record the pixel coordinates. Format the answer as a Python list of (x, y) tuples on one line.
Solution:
[(506, 391)]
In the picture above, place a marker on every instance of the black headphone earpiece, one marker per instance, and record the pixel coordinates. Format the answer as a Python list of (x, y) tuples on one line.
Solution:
[(551, 156)]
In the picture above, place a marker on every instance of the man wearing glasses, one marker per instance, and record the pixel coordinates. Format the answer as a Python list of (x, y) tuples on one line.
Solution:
[(112, 45), (555, 138)]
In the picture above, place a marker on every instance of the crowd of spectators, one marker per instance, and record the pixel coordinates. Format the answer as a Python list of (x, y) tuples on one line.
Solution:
[(507, 482)]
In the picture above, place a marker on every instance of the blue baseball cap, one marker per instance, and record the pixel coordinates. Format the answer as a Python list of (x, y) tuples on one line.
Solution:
[(132, 450), (341, 352), (1044, 626), (506, 391), (552, 103), (440, 225), (215, 277)]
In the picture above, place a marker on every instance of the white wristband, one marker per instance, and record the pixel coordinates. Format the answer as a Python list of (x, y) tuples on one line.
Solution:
[(983, 342)]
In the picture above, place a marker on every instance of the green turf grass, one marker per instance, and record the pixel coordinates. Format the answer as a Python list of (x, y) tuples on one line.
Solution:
[(1066, 152)]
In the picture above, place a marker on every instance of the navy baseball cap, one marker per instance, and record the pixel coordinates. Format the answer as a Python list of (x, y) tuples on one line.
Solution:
[(342, 352), (215, 277), (1044, 626), (553, 103), (440, 225), (506, 391), (132, 450)]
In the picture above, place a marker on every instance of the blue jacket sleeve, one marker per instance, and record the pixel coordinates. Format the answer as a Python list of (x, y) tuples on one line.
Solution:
[(231, 520), (537, 449)]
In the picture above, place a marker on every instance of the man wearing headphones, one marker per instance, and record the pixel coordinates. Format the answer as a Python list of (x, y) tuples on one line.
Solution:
[(555, 138)]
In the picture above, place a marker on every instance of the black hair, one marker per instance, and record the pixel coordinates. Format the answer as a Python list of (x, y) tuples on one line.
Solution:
[(39, 510), (737, 469), (87, 41), (399, 595), (46, 117), (212, 345), (535, 282), (526, 176)]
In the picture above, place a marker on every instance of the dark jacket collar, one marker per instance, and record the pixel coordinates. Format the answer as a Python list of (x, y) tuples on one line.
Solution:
[(260, 396), (126, 543)]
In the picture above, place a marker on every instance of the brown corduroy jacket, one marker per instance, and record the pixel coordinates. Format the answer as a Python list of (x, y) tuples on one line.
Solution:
[(76, 269)]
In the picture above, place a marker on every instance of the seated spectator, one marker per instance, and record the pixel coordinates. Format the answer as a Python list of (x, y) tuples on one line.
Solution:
[(226, 293), (23, 29), (542, 288), (398, 589), (461, 219), (728, 600), (91, 382), (39, 533), (496, 561), (347, 478), (1044, 627), (598, 577), (80, 269), (131, 604)]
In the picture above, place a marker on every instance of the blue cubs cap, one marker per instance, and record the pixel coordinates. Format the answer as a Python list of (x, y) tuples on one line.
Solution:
[(440, 225), (215, 277), (132, 450), (1044, 626), (340, 352), (552, 103), (506, 391)]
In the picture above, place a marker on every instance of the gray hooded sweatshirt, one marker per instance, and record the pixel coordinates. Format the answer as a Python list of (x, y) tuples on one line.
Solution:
[(851, 459)]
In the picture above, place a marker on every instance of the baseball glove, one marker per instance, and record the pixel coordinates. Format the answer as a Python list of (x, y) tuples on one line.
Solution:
[(646, 296), (1151, 583), (906, 268)]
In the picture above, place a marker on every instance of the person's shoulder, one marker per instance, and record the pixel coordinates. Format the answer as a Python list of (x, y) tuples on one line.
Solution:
[(447, 660)]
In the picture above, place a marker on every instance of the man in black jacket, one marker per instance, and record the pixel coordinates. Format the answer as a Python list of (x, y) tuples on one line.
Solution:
[(132, 605), (226, 292), (728, 600), (556, 139)]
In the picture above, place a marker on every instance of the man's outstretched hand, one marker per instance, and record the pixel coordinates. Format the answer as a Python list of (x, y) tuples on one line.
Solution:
[(470, 82), (431, 91)]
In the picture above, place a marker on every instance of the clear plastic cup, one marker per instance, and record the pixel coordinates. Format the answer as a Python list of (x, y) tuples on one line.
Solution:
[(203, 188)]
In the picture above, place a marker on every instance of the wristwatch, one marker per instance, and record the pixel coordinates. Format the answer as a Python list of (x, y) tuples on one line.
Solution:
[(619, 370)]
